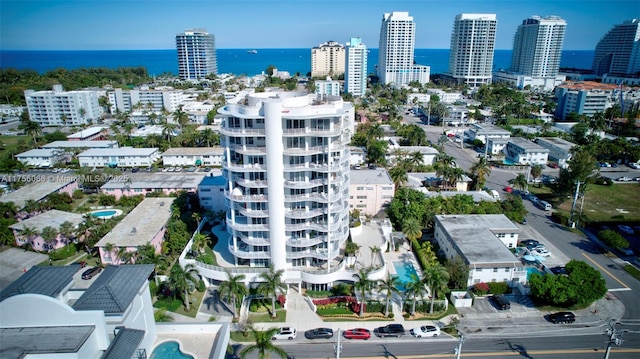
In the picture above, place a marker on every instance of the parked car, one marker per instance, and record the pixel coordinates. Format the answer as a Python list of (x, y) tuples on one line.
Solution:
[(285, 333), (540, 251), (625, 229), (529, 243), (425, 331), (624, 179), (558, 270), (91, 272), (207, 169), (562, 317), (319, 333), (134, 169), (508, 189), (357, 333), (501, 301), (390, 330)]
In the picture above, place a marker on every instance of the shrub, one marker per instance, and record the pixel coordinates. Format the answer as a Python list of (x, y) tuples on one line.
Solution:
[(318, 293), (201, 286), (498, 287), (205, 258), (282, 299), (78, 194), (613, 239), (62, 253), (375, 307), (481, 288)]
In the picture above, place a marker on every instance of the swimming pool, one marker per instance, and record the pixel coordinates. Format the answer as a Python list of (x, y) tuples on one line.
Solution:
[(508, 162), (105, 213), (531, 270), (405, 271), (169, 350)]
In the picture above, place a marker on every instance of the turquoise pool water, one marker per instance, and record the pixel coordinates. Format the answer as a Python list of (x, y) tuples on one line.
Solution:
[(169, 350), (405, 271), (104, 213), (508, 162), (531, 270)]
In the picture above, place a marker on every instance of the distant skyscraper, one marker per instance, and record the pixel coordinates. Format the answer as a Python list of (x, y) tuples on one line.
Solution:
[(618, 52), (397, 38), (537, 46), (196, 54), (327, 59), (355, 77), (472, 44)]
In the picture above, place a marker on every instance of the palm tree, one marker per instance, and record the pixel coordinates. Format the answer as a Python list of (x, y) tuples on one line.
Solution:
[(263, 345), (168, 129), (272, 285), (415, 288), (480, 171), (147, 255), (196, 217), (536, 171), (48, 234), (34, 130), (181, 280), (399, 176), (520, 182), (200, 241), (28, 233), (233, 289), (412, 228), (374, 254), (181, 117), (67, 230), (390, 285), (436, 278), (363, 284)]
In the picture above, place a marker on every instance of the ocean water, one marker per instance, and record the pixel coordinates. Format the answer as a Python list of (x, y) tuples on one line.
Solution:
[(237, 61)]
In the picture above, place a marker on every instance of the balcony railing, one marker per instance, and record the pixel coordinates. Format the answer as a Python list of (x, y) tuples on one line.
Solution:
[(238, 167), (246, 198), (250, 183), (243, 253), (237, 132)]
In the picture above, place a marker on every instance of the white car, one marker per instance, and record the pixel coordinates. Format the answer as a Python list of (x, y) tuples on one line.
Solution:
[(540, 251), (626, 229), (285, 333), (425, 331)]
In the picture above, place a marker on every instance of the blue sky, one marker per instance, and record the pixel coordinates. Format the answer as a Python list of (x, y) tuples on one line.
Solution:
[(152, 24)]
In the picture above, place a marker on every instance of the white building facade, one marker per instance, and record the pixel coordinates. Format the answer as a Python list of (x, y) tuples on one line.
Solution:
[(286, 167), (193, 156), (328, 87), (355, 76), (472, 49), (524, 152), (559, 149), (119, 157), (62, 108), (196, 54), (144, 99), (618, 52), (328, 59), (40, 157)]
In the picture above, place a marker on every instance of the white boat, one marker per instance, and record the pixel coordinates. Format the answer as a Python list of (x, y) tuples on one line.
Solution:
[(252, 51)]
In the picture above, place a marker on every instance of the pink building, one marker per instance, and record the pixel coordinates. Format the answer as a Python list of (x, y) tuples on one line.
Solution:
[(146, 224), (43, 186), (30, 230), (153, 182)]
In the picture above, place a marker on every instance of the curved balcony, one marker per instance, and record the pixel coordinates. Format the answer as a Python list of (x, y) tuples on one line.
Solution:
[(246, 198), (307, 226), (317, 197), (237, 167), (249, 150), (246, 227), (320, 253), (299, 151), (241, 132), (301, 132), (250, 183), (298, 213), (255, 241), (243, 253), (252, 212), (304, 184), (306, 242)]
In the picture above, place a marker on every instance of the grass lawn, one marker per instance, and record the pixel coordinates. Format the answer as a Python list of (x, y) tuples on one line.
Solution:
[(265, 317), (11, 142), (176, 306), (620, 202), (239, 337)]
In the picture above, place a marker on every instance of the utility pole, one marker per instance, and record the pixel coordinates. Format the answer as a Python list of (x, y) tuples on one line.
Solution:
[(458, 349), (615, 336), (338, 346), (573, 206)]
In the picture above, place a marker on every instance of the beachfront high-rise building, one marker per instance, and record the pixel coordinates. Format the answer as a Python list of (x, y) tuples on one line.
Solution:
[(537, 46), (62, 108), (196, 54), (618, 52), (355, 76), (472, 46), (286, 169), (327, 59), (395, 57)]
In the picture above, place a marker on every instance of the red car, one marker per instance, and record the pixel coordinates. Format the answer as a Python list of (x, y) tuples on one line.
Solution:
[(508, 189), (357, 333)]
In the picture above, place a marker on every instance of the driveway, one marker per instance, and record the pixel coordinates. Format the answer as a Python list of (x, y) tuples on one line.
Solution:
[(14, 262)]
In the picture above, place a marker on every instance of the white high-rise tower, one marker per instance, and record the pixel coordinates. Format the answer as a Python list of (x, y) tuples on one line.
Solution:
[(397, 38), (196, 54), (537, 46), (618, 52), (355, 77), (472, 45)]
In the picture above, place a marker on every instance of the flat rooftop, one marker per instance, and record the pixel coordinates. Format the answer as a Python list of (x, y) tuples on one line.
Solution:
[(475, 236), (43, 340), (53, 218), (87, 132), (488, 128), (36, 191), (193, 151), (140, 225), (555, 141), (122, 151), (160, 180), (527, 145), (372, 177), (38, 152), (81, 144)]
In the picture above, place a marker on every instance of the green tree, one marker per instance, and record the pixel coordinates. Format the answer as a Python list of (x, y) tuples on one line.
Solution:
[(232, 290), (263, 345), (33, 130), (399, 176), (415, 288), (272, 286), (412, 228), (480, 171), (363, 284), (389, 286), (182, 280), (67, 230), (181, 117), (581, 286), (147, 254), (613, 239), (520, 182), (436, 278), (458, 273), (48, 235), (200, 242), (536, 172)]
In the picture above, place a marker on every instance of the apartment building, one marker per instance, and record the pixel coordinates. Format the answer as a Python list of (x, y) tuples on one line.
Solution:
[(328, 87), (62, 108), (193, 156), (327, 59), (152, 183), (617, 52), (144, 99), (559, 149), (94, 133), (119, 157), (584, 98), (484, 131), (29, 231), (524, 152), (370, 191), (211, 192), (40, 158), (355, 77), (70, 146), (196, 54), (472, 49)]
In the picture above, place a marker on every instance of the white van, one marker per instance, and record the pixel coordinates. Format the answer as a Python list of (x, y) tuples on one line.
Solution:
[(545, 205), (495, 194)]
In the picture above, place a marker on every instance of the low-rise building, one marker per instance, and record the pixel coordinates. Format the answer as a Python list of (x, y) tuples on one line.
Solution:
[(524, 152), (145, 224), (418, 98), (420, 180), (559, 149), (145, 183), (585, 98), (211, 193), (395, 150), (520, 81), (70, 146), (29, 231), (370, 191), (119, 157), (483, 131), (458, 115), (193, 156), (482, 241), (89, 134), (496, 146), (358, 155), (41, 158), (40, 188), (446, 97), (328, 87)]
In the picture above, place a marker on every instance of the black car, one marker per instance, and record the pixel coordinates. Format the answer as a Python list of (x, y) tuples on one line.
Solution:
[(562, 318), (319, 333), (91, 272), (529, 243), (558, 270), (391, 330), (501, 301)]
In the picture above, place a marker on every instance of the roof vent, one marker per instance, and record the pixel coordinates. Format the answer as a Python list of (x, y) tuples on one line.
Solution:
[(161, 204), (133, 230)]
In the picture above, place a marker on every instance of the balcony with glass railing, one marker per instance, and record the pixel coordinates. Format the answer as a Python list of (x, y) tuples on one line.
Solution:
[(246, 198), (240, 167), (250, 183), (241, 132), (246, 253)]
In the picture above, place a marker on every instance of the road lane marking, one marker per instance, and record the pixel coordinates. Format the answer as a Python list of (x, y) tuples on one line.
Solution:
[(606, 271)]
